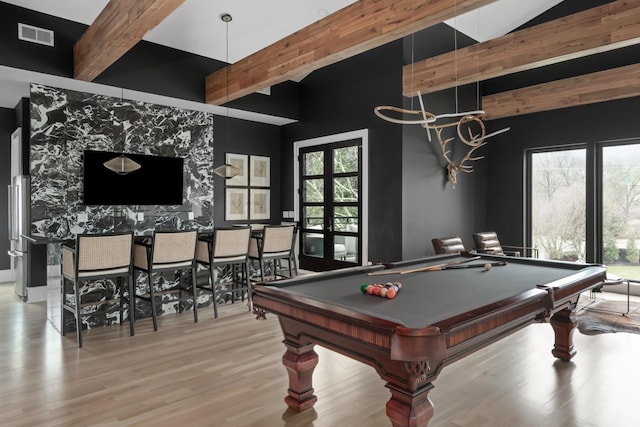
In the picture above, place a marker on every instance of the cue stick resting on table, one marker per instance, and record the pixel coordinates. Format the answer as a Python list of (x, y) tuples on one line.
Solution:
[(484, 265), (435, 267)]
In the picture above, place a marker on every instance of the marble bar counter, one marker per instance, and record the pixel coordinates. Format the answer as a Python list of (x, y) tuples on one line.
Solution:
[(103, 290), (43, 240)]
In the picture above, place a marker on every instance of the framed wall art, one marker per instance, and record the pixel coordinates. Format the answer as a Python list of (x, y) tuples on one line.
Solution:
[(239, 161), (260, 203), (236, 204), (260, 175)]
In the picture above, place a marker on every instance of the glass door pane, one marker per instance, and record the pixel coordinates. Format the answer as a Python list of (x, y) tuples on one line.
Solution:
[(621, 210), (558, 204), (346, 196), (313, 212)]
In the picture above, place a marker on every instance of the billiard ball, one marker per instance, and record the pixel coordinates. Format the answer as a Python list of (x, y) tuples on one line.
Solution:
[(487, 266), (383, 292), (391, 293)]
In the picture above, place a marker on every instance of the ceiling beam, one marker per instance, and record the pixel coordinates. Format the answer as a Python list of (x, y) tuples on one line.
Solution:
[(359, 27), (601, 29), (120, 25), (616, 83)]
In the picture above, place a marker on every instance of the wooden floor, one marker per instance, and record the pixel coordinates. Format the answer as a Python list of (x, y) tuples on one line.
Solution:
[(228, 372)]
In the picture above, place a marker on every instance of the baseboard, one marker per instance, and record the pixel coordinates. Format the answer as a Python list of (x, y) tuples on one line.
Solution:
[(37, 294), (6, 276)]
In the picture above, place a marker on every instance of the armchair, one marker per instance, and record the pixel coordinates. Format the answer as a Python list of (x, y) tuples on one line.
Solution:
[(487, 242), (448, 245)]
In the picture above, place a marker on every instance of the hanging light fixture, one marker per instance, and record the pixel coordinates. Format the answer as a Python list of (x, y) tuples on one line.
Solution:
[(122, 165), (227, 171), (461, 121)]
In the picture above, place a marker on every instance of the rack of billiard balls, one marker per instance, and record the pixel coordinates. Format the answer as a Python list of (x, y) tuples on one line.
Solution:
[(383, 290)]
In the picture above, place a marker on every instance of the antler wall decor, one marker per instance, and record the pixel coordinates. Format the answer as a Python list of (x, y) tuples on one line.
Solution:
[(429, 122)]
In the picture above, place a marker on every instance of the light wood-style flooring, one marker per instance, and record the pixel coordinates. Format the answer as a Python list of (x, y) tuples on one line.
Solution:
[(228, 372)]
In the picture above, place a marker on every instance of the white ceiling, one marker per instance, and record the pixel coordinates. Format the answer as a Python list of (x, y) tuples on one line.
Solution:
[(196, 27), (499, 18)]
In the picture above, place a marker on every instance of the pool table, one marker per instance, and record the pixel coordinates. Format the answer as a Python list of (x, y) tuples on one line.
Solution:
[(439, 316)]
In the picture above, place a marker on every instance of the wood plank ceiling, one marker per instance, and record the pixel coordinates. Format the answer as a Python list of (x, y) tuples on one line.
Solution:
[(367, 24)]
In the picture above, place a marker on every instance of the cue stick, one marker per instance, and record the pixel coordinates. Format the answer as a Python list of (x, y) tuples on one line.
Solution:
[(435, 267), (457, 267)]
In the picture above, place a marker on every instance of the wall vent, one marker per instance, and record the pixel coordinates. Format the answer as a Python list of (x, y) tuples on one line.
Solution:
[(34, 34)]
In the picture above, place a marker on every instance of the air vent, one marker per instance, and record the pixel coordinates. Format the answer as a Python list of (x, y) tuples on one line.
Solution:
[(35, 35)]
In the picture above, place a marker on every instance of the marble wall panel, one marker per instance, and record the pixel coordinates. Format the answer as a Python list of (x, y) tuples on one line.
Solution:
[(64, 123)]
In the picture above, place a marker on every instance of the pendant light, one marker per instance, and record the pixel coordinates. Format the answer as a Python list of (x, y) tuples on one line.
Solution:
[(122, 165), (227, 170)]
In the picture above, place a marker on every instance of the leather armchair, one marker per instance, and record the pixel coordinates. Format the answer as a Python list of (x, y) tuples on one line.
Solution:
[(448, 245), (487, 242)]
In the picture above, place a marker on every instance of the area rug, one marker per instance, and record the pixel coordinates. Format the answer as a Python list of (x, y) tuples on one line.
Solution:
[(603, 316)]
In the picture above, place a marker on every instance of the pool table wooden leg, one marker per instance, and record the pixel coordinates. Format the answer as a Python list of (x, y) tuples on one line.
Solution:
[(300, 361), (563, 326), (407, 409)]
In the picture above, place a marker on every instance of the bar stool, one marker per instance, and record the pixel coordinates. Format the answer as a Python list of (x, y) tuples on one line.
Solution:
[(225, 247), (97, 257), (167, 251), (275, 244)]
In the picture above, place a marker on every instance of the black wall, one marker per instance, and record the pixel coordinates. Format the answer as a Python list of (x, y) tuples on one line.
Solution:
[(432, 207)]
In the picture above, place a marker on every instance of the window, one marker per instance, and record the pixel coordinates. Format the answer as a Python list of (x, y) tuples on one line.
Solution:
[(621, 210), (558, 201), (585, 205)]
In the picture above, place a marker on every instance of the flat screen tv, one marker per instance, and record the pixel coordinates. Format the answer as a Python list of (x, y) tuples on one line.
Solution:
[(158, 181)]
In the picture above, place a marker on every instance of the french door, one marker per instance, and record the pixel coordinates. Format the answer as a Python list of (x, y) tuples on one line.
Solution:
[(330, 205)]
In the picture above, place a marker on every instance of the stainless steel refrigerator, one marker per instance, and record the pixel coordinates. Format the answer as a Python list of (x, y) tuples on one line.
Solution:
[(19, 205)]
